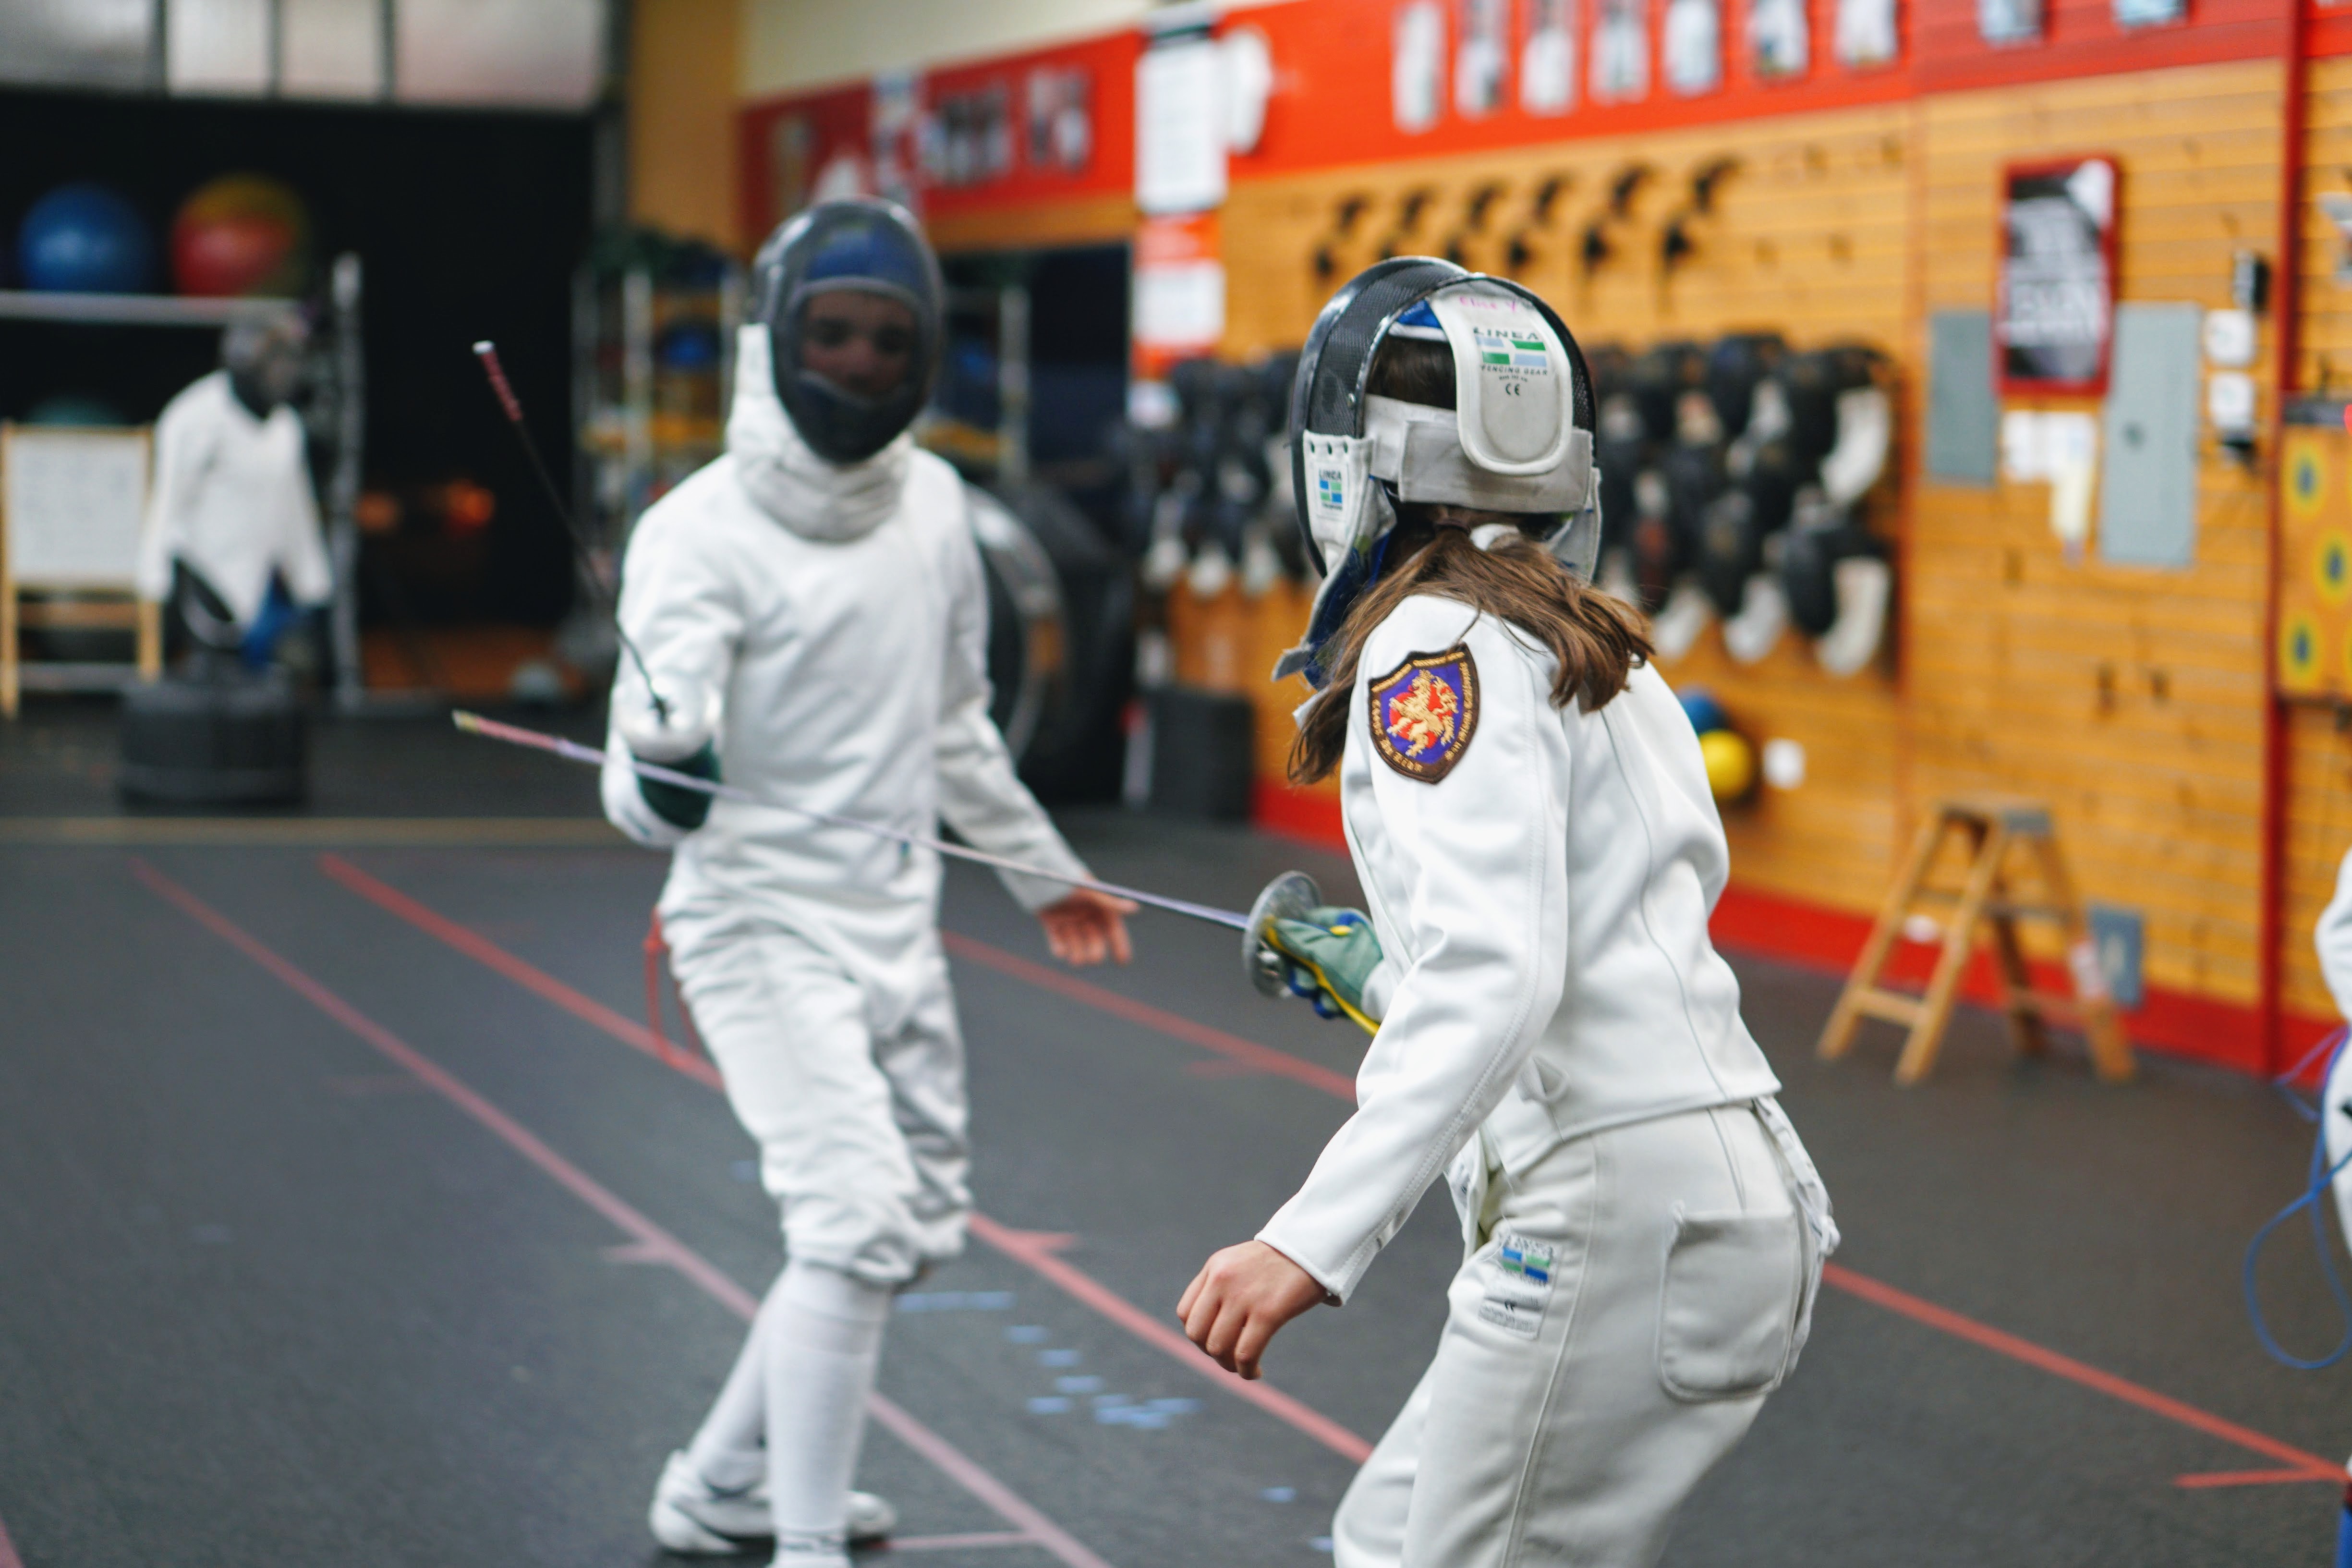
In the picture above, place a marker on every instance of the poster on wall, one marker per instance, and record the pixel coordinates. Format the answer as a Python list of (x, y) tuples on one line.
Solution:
[(2054, 315), (968, 136), (1779, 40), (1179, 126), (896, 132), (1482, 59), (1620, 51), (1417, 66), (1866, 33), (1061, 118), (2010, 21), (1693, 46), (1548, 62)]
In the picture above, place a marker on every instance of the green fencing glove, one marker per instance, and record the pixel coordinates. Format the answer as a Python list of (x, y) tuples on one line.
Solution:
[(675, 804), (1332, 953)]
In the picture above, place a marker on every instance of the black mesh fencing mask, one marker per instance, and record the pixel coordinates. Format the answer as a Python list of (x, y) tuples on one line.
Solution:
[(851, 296)]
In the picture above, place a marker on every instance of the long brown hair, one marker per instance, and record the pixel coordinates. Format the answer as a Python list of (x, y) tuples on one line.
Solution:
[(1593, 639)]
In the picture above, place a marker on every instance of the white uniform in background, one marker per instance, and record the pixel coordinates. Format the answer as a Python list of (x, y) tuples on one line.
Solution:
[(826, 626), (231, 496), (1643, 1233)]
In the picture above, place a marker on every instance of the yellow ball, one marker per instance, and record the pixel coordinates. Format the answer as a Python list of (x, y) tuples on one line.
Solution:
[(1730, 763)]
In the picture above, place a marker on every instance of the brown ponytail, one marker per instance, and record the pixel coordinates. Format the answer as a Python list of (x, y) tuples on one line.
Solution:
[(1595, 640)]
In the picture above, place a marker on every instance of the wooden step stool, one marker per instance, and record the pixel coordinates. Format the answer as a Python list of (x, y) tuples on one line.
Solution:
[(1994, 825)]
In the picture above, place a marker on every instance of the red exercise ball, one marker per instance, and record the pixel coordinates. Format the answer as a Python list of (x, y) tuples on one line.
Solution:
[(241, 235)]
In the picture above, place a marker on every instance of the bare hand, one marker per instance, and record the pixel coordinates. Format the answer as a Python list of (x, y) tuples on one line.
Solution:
[(1239, 1299), (1088, 926)]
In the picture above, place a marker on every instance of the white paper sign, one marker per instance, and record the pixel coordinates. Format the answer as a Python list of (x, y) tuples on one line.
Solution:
[(76, 501), (1179, 305), (1180, 127)]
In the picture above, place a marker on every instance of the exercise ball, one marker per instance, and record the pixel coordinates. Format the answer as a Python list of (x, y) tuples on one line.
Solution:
[(1730, 763), (241, 235), (1702, 709), (84, 239)]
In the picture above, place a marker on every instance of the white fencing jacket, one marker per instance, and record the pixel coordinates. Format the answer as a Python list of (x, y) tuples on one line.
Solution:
[(232, 496), (1543, 909), (833, 630)]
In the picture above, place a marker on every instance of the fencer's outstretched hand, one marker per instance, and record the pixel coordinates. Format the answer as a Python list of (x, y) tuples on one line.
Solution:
[(1087, 927), (1237, 1301)]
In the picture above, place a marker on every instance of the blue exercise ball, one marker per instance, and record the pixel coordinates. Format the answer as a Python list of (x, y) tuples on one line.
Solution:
[(1703, 711), (84, 239)]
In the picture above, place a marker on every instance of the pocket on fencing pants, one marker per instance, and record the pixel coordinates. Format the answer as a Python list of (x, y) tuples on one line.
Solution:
[(1727, 1309)]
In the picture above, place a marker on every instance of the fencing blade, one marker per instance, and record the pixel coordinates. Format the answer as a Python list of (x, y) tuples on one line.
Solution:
[(516, 735)]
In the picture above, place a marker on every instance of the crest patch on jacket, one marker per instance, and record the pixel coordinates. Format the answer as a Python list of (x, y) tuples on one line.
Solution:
[(1423, 712)]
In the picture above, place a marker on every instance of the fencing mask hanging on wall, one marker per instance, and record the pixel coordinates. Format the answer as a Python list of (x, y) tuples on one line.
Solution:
[(865, 246), (1519, 439)]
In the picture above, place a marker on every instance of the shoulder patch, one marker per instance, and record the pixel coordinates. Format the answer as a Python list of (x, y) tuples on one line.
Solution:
[(1423, 712)]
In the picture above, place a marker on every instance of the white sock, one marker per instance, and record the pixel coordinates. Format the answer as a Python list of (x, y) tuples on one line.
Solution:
[(729, 1450), (821, 1356)]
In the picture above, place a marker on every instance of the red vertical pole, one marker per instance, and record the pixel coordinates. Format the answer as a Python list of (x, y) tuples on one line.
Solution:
[(2285, 307)]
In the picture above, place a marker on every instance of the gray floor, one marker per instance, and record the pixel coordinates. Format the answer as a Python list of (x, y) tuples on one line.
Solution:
[(266, 1297)]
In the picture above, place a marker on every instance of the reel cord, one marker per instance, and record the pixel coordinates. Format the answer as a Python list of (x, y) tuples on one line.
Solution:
[(2323, 1175)]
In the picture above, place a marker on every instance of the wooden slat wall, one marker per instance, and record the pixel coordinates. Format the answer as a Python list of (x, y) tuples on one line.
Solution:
[(1808, 238), (2319, 831), (2319, 749), (2131, 699)]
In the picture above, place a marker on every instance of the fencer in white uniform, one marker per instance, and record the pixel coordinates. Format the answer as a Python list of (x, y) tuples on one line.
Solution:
[(812, 613), (231, 502), (1555, 1034)]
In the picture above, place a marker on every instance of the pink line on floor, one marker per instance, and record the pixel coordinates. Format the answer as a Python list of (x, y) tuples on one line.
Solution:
[(9, 1558), (955, 1543), (655, 1241), (1028, 1248)]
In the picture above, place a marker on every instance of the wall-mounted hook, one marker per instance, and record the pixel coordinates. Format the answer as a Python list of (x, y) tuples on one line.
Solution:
[(1704, 181), (1624, 185), (1596, 248), (1547, 193)]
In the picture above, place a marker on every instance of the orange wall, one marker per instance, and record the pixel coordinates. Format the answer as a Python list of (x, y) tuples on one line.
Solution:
[(681, 107)]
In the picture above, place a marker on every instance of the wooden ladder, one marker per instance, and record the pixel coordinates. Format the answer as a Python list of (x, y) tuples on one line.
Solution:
[(1994, 824)]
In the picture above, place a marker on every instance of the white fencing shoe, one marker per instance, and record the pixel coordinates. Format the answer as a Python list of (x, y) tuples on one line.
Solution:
[(871, 1519), (692, 1516)]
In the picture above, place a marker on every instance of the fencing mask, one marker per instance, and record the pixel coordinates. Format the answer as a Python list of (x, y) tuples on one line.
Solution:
[(850, 294), (1519, 439), (263, 356)]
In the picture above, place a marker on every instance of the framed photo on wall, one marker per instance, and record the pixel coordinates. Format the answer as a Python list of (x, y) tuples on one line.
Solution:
[(2054, 305)]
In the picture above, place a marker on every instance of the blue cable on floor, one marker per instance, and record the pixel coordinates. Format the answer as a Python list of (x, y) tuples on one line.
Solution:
[(2322, 1176)]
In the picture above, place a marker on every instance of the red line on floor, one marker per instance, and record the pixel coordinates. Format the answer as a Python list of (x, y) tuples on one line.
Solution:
[(2057, 1365), (1243, 1053), (2311, 1465), (9, 1558), (959, 1466), (480, 948), (2204, 1478), (1028, 1248)]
